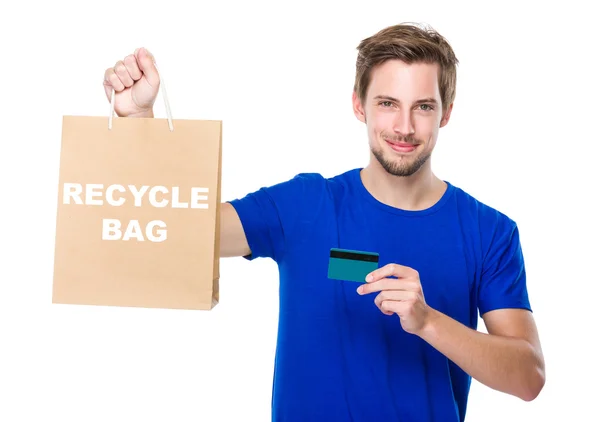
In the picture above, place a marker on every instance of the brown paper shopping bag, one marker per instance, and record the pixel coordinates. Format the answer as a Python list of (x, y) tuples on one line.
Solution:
[(138, 212)]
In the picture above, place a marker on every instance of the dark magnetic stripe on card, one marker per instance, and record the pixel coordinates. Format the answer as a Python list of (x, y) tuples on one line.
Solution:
[(355, 256)]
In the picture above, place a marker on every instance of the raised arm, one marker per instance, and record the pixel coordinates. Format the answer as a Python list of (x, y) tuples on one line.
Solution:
[(136, 83)]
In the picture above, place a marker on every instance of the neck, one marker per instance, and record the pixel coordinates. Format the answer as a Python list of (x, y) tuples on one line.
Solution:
[(412, 193)]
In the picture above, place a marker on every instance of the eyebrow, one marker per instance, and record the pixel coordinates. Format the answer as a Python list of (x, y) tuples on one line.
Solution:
[(422, 101)]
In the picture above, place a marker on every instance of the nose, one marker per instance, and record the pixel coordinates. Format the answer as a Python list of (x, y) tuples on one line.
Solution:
[(403, 123)]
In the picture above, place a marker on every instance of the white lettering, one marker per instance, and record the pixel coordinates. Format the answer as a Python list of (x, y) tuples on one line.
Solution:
[(176, 203), (133, 230), (152, 197), (156, 230), (110, 196), (161, 235), (91, 191), (72, 190), (96, 193), (196, 197), (138, 194), (111, 229)]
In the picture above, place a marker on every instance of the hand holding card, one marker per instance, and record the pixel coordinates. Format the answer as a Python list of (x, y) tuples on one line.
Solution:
[(399, 291)]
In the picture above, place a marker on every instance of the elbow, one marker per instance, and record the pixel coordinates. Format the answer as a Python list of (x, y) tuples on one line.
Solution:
[(532, 392), (534, 384)]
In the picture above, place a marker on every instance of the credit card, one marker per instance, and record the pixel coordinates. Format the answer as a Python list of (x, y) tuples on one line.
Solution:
[(351, 265)]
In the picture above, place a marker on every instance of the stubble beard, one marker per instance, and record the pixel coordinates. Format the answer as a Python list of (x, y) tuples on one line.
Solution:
[(400, 167)]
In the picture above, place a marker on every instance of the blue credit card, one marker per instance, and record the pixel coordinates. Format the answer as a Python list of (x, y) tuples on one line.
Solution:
[(351, 265)]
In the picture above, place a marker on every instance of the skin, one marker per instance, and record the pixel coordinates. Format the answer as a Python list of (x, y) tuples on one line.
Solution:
[(392, 112), (402, 104), (136, 83), (509, 357)]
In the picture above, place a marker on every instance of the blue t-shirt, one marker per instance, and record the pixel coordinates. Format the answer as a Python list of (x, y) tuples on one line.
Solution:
[(338, 357)]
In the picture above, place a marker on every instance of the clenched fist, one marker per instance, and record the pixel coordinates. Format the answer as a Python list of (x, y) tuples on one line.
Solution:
[(136, 82)]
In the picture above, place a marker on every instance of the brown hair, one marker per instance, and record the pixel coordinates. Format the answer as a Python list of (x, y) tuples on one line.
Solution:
[(411, 44)]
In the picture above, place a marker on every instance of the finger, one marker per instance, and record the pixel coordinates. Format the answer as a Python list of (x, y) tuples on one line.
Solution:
[(107, 85), (390, 307), (380, 285), (403, 301), (112, 81), (132, 67), (395, 295), (146, 64), (410, 284), (123, 74), (390, 270)]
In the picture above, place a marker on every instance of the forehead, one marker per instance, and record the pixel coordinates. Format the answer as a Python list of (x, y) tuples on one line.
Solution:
[(404, 81)]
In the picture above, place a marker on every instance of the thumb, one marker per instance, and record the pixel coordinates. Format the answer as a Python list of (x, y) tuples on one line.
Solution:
[(147, 65)]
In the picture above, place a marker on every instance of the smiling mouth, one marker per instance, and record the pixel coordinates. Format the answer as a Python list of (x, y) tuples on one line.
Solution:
[(401, 146)]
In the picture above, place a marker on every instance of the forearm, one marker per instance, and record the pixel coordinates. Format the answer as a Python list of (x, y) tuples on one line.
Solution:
[(506, 364)]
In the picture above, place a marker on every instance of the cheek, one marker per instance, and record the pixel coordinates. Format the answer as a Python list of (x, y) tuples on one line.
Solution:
[(381, 122), (426, 127)]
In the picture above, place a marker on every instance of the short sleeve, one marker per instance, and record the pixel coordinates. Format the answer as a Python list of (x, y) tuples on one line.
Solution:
[(269, 215), (503, 281)]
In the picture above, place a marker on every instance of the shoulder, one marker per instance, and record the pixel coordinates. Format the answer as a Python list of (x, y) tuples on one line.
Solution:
[(294, 191), (303, 195), (309, 187), (320, 181), (494, 232), (484, 215)]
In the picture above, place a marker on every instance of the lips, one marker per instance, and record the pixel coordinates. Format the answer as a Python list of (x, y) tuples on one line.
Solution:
[(401, 146)]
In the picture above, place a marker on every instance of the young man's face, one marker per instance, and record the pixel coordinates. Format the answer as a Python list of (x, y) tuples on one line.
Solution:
[(403, 114)]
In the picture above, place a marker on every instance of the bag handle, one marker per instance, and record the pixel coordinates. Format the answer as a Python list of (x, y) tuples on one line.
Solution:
[(164, 94)]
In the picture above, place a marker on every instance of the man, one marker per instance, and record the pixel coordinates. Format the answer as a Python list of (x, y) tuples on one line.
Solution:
[(402, 346)]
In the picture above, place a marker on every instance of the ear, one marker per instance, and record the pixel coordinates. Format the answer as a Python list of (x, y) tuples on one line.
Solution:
[(359, 111), (446, 116)]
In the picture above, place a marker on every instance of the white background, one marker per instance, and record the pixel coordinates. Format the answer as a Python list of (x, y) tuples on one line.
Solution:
[(522, 138)]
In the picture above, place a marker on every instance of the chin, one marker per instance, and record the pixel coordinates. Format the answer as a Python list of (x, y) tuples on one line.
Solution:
[(401, 165)]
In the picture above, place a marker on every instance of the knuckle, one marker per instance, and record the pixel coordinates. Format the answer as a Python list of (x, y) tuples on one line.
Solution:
[(130, 61), (131, 65), (115, 82), (120, 69)]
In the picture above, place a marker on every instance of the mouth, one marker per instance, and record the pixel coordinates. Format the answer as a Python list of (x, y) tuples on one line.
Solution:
[(404, 147)]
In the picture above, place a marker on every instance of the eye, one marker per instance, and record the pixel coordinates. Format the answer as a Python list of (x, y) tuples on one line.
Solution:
[(425, 107), (386, 103)]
